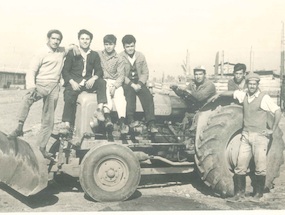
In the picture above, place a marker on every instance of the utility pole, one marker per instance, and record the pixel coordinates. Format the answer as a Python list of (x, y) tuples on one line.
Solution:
[(216, 66), (282, 84), (251, 60), (222, 65), (186, 66)]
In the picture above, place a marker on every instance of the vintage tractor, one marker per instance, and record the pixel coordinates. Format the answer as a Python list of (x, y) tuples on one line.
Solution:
[(109, 165)]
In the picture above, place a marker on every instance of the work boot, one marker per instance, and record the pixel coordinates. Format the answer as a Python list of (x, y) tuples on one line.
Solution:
[(108, 122), (46, 154), (259, 188), (17, 132), (152, 127), (239, 187), (99, 115), (124, 129), (134, 124)]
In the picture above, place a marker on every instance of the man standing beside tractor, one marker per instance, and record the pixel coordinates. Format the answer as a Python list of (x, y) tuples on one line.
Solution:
[(136, 76), (255, 136), (42, 80), (113, 73), (82, 73), (238, 82)]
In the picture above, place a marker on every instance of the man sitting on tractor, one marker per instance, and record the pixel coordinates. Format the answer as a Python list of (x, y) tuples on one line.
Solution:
[(136, 76), (113, 73), (198, 91), (82, 73)]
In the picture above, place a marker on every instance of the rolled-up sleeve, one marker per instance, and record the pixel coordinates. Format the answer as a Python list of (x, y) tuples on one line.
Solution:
[(239, 95), (267, 104)]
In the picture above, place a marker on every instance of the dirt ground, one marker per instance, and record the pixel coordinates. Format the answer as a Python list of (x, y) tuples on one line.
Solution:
[(155, 193)]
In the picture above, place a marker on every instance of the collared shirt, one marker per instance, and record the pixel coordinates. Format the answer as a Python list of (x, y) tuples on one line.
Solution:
[(267, 103), (45, 66), (113, 67), (132, 59), (84, 56)]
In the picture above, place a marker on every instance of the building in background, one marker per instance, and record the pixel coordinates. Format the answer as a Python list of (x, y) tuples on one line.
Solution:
[(12, 80)]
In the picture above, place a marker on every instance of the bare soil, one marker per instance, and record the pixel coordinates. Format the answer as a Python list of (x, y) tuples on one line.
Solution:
[(155, 193)]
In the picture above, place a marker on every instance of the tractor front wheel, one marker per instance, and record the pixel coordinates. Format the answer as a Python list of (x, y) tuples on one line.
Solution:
[(110, 172)]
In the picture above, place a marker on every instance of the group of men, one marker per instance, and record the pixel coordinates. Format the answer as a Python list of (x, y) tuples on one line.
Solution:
[(256, 134), (114, 77), (122, 77)]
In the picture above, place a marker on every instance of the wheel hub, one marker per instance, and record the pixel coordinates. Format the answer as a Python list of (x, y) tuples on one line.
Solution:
[(111, 174), (232, 151)]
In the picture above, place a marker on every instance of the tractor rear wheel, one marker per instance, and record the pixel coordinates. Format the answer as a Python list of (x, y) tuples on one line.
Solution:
[(217, 149), (110, 172)]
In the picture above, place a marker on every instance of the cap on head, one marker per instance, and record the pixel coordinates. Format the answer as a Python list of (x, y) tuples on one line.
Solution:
[(240, 66), (200, 68), (252, 77)]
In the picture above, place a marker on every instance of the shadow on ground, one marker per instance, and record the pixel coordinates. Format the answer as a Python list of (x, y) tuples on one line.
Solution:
[(42, 199), (153, 181)]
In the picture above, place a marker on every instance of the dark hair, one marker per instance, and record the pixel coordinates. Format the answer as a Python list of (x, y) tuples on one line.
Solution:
[(240, 66), (110, 38), (128, 39), (54, 31), (83, 31)]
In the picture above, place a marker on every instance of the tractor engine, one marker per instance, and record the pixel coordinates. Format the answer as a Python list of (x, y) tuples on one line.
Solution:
[(175, 130)]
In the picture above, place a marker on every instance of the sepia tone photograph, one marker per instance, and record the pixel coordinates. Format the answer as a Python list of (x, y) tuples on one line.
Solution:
[(128, 106)]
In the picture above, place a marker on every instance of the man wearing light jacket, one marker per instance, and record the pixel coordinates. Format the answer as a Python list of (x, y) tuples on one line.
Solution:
[(136, 76)]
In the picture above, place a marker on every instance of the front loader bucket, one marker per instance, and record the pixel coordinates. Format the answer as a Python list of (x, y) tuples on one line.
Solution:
[(22, 166)]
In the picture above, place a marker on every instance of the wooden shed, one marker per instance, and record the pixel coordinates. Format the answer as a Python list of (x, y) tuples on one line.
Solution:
[(12, 79)]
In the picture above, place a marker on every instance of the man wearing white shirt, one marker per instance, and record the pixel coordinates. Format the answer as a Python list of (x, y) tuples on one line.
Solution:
[(255, 135)]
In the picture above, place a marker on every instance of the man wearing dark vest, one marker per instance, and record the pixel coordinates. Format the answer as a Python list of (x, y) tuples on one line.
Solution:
[(136, 76), (255, 136)]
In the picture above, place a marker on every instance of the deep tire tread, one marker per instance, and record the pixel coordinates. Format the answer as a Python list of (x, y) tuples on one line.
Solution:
[(211, 144)]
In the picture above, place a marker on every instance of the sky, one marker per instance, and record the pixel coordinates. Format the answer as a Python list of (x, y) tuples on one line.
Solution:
[(164, 29)]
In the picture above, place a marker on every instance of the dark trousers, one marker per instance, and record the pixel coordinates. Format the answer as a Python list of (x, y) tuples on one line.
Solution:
[(70, 98), (146, 100)]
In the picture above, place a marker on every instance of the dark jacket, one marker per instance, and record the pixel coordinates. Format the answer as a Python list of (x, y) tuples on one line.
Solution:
[(74, 65)]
